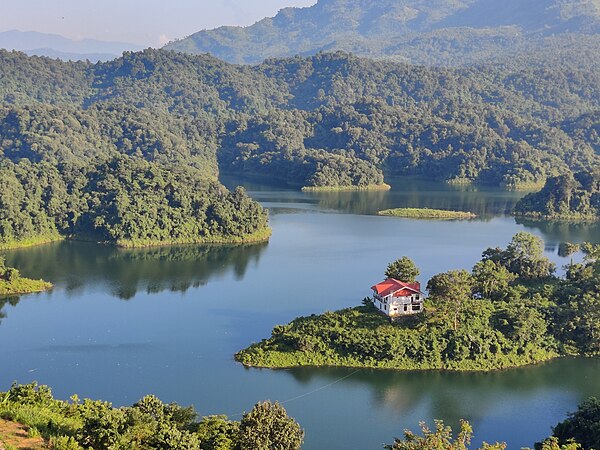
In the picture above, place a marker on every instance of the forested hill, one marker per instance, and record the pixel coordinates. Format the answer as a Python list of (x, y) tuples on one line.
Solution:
[(329, 120), (424, 32)]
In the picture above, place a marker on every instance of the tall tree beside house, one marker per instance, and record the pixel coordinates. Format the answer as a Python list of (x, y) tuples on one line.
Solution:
[(403, 269), (451, 292)]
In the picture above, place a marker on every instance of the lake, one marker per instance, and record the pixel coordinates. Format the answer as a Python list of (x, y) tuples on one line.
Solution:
[(124, 323)]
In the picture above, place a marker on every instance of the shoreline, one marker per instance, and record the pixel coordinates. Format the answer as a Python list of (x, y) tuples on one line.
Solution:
[(28, 243), (258, 236), (392, 369), (562, 219), (30, 287)]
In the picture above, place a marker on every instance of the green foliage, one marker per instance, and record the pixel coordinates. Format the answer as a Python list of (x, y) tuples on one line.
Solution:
[(328, 121), (426, 213), (128, 201), (450, 293), (218, 433), (582, 426), (489, 319), (440, 439), (570, 196), (268, 427), (524, 257), (12, 283), (147, 425), (403, 269)]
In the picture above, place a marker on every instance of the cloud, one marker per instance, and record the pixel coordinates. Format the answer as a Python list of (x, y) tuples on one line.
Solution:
[(163, 39)]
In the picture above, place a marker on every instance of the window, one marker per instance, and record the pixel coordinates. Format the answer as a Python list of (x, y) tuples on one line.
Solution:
[(405, 308)]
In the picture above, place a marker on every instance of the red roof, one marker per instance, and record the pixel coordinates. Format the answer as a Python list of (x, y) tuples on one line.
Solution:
[(398, 288)]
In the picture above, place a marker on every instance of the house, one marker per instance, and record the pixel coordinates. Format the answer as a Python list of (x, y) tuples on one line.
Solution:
[(395, 298)]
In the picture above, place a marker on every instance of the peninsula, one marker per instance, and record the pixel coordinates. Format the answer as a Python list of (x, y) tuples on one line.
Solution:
[(573, 197), (510, 310), (11, 282)]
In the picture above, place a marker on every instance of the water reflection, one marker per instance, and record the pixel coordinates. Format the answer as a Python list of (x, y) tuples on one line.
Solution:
[(4, 301), (564, 231), (75, 266), (451, 396), (407, 192)]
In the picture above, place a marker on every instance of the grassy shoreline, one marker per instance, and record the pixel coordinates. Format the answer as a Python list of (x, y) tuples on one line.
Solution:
[(32, 242), (361, 337), (370, 187), (23, 286), (426, 213), (261, 235)]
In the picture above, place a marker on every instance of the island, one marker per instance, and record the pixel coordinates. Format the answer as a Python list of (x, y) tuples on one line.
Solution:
[(427, 213), (572, 197), (348, 188), (510, 310), (12, 283)]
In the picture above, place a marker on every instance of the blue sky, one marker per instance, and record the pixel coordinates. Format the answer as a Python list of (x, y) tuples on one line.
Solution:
[(145, 22)]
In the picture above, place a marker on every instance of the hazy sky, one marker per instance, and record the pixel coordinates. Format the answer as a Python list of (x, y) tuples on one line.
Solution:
[(145, 22)]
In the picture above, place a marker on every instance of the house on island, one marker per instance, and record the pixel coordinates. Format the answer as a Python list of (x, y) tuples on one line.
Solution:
[(395, 298)]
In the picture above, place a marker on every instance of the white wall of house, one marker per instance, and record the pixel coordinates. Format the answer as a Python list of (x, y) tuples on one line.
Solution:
[(399, 306)]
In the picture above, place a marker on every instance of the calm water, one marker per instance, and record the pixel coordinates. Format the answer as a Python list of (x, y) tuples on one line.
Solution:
[(123, 323)]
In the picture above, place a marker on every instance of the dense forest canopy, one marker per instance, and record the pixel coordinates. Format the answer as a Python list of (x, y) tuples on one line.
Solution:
[(570, 196), (332, 120)]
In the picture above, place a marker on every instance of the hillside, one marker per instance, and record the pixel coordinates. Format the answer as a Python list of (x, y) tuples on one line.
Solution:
[(332, 120), (422, 32), (567, 197)]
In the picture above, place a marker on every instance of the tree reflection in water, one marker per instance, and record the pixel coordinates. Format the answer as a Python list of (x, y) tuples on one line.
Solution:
[(77, 266)]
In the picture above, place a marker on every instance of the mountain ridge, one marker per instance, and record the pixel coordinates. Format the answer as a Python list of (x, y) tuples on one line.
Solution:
[(56, 46), (416, 31)]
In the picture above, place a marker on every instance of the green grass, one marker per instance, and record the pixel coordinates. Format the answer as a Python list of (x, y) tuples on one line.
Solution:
[(370, 187), (31, 242), (258, 236), (426, 213), (23, 286)]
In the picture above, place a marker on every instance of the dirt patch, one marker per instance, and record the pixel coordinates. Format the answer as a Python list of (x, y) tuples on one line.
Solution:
[(15, 435)]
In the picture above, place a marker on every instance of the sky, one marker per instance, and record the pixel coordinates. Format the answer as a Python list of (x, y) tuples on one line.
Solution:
[(143, 22)]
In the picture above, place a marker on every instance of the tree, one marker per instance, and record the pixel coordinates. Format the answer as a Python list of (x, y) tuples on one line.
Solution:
[(440, 439), (451, 291), (524, 256), (268, 427), (218, 433), (492, 280), (403, 269), (582, 426)]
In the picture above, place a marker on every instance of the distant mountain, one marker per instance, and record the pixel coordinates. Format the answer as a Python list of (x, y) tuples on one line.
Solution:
[(56, 46), (419, 31)]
